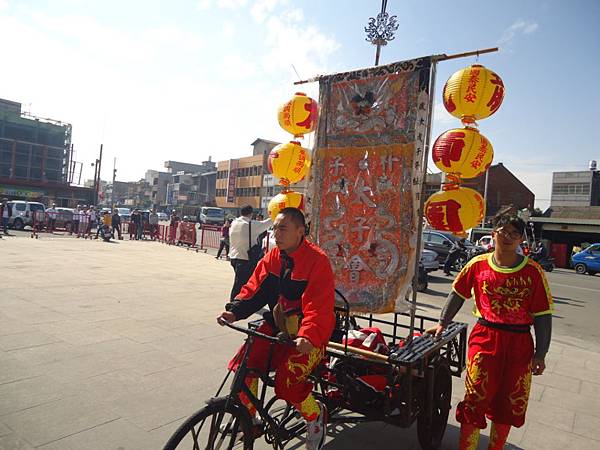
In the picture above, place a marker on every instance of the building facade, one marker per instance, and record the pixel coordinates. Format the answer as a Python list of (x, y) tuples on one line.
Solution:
[(190, 186), (246, 181), (35, 158), (575, 189), (158, 182), (239, 182)]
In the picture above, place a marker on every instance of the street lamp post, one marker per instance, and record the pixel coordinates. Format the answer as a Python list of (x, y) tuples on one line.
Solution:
[(380, 29)]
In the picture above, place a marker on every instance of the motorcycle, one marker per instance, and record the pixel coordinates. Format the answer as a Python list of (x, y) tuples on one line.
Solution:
[(546, 262), (106, 233)]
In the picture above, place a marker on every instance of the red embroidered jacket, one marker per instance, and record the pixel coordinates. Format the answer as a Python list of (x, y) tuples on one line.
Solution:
[(302, 282)]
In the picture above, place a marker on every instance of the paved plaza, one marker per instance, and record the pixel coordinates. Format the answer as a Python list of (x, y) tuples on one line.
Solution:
[(109, 346)]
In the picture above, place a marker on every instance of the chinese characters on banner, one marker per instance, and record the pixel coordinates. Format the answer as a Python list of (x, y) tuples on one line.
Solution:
[(365, 186), (231, 180)]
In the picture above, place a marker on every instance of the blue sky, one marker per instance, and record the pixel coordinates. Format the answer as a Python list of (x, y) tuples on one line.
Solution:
[(188, 79)]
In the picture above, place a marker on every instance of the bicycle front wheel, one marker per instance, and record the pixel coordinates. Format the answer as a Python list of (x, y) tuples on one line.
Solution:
[(222, 425)]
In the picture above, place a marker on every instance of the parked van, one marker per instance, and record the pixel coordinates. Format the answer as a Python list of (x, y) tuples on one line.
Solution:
[(22, 213), (212, 216)]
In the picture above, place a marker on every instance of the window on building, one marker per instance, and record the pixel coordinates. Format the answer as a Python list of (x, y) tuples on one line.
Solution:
[(571, 189)]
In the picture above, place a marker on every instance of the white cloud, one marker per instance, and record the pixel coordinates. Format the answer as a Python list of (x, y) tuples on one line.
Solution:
[(520, 26), (159, 93), (4, 4), (204, 5), (292, 41), (228, 30), (530, 28), (262, 8), (231, 4)]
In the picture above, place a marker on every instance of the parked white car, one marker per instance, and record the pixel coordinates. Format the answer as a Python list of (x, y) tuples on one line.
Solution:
[(486, 242), (22, 213)]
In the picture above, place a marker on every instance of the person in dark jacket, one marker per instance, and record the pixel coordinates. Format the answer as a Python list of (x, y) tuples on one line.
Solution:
[(116, 224), (5, 214), (136, 220), (458, 248)]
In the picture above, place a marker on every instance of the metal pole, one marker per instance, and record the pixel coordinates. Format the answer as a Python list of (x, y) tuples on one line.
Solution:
[(69, 170), (485, 192), (112, 194), (422, 202), (377, 54), (99, 167), (436, 58), (95, 198)]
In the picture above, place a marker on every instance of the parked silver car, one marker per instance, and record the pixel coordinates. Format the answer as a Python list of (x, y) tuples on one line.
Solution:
[(430, 260), (22, 213)]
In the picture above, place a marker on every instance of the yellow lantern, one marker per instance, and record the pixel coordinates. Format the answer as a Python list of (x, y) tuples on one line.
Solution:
[(299, 115), (463, 151), (455, 209), (285, 199), (473, 93), (289, 162)]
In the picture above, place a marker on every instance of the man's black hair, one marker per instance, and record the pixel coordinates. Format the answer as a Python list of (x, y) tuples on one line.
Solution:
[(515, 221), (247, 210), (295, 216)]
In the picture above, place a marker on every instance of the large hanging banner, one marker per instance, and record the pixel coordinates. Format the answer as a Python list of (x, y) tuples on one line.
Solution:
[(366, 180)]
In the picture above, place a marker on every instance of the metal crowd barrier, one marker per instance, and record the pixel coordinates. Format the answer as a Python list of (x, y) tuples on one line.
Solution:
[(210, 237)]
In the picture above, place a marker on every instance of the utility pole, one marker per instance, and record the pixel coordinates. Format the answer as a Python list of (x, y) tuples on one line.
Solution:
[(99, 167), (112, 194), (380, 29)]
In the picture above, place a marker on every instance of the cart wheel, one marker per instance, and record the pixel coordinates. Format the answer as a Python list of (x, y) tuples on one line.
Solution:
[(430, 430), (218, 424)]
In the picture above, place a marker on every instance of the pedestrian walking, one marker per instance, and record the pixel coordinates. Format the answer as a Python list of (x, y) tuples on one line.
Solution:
[(224, 240), (84, 222), (75, 220), (93, 216), (6, 214), (136, 220), (145, 222), (511, 294), (244, 249), (116, 224), (173, 224), (153, 221), (458, 248), (51, 214)]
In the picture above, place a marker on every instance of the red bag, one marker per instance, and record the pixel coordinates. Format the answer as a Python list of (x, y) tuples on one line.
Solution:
[(371, 339)]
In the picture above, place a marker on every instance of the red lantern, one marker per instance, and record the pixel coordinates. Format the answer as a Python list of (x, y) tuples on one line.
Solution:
[(455, 209), (462, 151)]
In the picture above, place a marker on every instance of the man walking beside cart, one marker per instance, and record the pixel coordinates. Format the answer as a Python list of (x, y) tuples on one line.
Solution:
[(511, 294), (243, 241), (296, 280)]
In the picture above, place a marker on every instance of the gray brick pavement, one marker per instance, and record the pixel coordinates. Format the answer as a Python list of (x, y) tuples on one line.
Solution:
[(110, 346)]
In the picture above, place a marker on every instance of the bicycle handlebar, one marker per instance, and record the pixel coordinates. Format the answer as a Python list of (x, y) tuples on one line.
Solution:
[(279, 339)]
